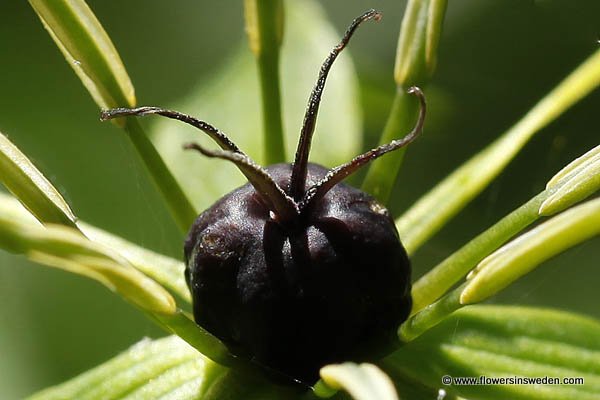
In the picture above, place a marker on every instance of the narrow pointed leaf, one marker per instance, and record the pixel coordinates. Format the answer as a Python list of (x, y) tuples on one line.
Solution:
[(61, 247), (164, 270), (446, 274), (523, 254), (432, 211), (574, 167), (578, 181), (509, 263), (31, 187), (435, 19), (362, 381), (417, 45), (500, 341), (88, 50), (65, 248), (575, 182)]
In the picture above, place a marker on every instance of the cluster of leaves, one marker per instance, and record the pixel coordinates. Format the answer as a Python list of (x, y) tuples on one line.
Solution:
[(492, 341)]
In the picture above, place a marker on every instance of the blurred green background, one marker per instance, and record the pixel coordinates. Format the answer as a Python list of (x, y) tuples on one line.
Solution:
[(497, 58)]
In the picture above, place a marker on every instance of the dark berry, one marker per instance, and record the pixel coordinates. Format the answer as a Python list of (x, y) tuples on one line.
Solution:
[(298, 297), (295, 269)]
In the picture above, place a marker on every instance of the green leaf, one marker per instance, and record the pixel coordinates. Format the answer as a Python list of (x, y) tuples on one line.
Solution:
[(88, 50), (167, 368), (362, 381), (435, 19), (499, 341), (31, 187), (65, 248), (529, 250), (420, 34), (441, 203), (446, 274), (164, 270), (575, 182), (230, 102), (574, 167), (100, 259), (507, 264)]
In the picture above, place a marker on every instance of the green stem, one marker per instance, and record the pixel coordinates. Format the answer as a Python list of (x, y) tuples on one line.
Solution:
[(415, 62), (184, 327), (431, 316), (522, 255), (264, 20), (443, 276), (274, 151), (182, 210), (575, 182), (504, 266), (382, 172)]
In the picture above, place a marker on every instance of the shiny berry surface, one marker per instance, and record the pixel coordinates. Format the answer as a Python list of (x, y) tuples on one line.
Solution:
[(295, 298)]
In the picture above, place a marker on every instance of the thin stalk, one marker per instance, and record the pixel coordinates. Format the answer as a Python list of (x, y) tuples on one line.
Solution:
[(415, 63), (507, 264), (264, 24), (181, 208), (274, 151), (575, 182), (524, 254), (184, 327), (431, 315), (444, 275), (382, 173)]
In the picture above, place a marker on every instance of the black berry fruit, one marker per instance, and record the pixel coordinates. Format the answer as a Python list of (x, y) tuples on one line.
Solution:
[(295, 270)]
